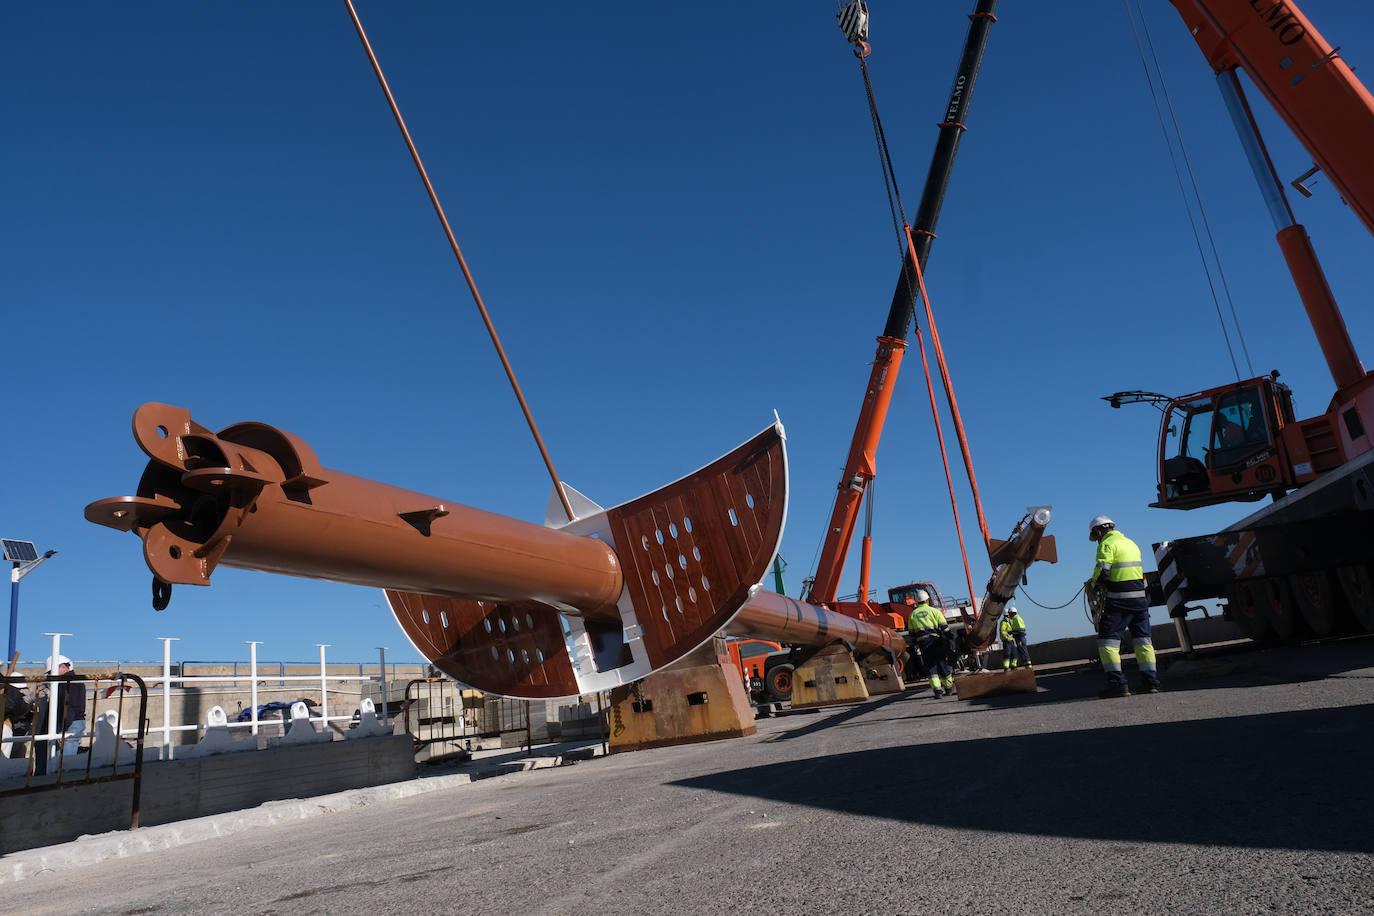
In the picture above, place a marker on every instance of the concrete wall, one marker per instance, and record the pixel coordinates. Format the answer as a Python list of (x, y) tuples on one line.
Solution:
[(180, 789), (1163, 635)]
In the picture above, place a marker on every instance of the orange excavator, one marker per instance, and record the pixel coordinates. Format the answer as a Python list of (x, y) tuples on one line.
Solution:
[(1302, 563)]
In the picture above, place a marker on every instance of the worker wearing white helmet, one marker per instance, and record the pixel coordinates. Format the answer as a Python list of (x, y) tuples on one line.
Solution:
[(1120, 575), (930, 630), (1013, 632), (70, 693)]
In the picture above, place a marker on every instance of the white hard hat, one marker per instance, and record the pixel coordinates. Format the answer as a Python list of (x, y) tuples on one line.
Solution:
[(922, 595), (54, 664), (1099, 521), (1011, 609)]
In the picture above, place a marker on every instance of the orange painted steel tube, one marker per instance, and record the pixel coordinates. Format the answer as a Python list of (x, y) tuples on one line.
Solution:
[(768, 615), (255, 497)]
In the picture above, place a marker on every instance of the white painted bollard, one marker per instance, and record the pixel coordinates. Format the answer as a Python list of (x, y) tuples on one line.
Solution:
[(217, 739), (106, 738), (302, 730), (368, 726)]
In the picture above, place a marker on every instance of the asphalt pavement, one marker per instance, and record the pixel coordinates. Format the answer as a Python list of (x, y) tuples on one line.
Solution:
[(1245, 787)]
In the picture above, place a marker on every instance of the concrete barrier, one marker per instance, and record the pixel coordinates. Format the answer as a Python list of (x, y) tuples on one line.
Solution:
[(175, 790)]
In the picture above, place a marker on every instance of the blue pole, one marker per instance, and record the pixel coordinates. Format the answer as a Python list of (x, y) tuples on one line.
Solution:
[(14, 612)]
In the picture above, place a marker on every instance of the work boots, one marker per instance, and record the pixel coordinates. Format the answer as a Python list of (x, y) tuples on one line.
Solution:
[(1115, 690)]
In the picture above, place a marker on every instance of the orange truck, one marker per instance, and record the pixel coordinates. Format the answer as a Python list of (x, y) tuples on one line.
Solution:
[(765, 667)]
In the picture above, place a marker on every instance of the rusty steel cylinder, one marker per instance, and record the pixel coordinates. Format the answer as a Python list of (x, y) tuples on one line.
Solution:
[(768, 615), (255, 497)]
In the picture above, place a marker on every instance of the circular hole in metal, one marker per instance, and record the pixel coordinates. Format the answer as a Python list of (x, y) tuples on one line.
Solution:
[(653, 574), (162, 432), (659, 534), (525, 656), (539, 654), (696, 553), (174, 552), (644, 539), (672, 529), (733, 521), (749, 500), (487, 623), (692, 595), (682, 561), (493, 653), (502, 624), (529, 621), (687, 523), (510, 656), (665, 613), (515, 623), (425, 615), (669, 570), (679, 604), (443, 619), (120, 513), (705, 583)]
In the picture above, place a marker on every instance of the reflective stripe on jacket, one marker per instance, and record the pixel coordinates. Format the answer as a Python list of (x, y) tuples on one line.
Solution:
[(1118, 563), (925, 622)]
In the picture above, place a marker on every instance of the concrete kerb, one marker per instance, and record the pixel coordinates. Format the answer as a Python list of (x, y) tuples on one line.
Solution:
[(89, 850)]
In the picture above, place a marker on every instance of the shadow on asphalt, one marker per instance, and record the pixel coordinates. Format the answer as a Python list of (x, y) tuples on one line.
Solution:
[(1281, 780)]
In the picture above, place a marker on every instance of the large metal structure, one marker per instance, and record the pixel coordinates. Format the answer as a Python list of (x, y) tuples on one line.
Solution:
[(1291, 565), (599, 601)]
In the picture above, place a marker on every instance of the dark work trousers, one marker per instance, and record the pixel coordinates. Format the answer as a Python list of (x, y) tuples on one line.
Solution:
[(1018, 638), (935, 655), (1121, 616)]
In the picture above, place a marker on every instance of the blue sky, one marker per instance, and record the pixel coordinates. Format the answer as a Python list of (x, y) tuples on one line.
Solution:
[(677, 219)]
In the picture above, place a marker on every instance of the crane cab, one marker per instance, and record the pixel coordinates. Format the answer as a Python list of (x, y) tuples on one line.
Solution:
[(1225, 444)]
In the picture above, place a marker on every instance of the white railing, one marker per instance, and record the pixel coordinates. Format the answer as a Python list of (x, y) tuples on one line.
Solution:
[(165, 684)]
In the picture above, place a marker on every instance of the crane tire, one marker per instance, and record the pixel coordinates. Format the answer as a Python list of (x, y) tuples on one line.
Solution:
[(777, 683)]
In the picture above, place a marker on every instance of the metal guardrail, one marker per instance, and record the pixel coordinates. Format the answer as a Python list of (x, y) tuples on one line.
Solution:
[(443, 718), (40, 747)]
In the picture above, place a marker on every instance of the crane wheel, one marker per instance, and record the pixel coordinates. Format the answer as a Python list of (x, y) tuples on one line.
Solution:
[(1358, 585), (1316, 599), (1276, 598), (1246, 611), (777, 684)]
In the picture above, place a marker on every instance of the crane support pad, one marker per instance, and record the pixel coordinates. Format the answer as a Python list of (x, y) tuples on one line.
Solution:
[(831, 677), (699, 698)]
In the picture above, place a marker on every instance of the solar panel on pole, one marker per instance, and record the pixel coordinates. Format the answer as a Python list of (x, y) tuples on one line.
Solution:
[(19, 551)]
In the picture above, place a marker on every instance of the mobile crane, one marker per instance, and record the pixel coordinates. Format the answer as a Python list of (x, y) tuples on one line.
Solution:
[(1028, 542), (1297, 564)]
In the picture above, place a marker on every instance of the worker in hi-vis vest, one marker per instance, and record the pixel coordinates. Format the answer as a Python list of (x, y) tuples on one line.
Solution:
[(1126, 606), (1013, 632), (927, 625)]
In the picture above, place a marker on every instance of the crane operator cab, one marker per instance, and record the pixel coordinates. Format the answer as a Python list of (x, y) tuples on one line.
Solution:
[(1225, 444)]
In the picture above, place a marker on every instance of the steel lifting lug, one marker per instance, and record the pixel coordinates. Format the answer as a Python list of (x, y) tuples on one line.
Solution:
[(162, 594)]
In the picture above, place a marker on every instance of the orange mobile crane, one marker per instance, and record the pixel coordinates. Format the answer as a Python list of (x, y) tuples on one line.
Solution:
[(1028, 542), (861, 463), (1297, 564)]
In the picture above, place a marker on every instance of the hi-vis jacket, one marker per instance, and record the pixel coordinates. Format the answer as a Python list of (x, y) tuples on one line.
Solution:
[(925, 622), (1013, 626), (1118, 564), (1004, 629)]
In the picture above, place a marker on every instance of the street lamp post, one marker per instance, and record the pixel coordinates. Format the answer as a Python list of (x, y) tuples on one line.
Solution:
[(25, 558)]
